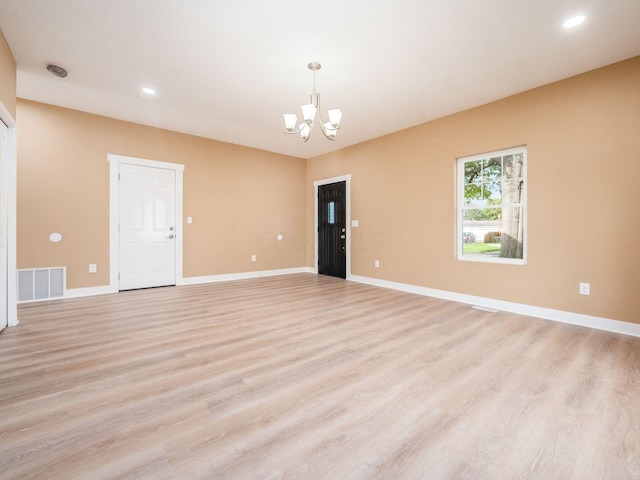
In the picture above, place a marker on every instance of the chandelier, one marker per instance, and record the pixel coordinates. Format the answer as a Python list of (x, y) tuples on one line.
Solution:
[(329, 129)]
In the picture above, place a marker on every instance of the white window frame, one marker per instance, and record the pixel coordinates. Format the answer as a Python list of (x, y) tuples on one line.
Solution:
[(460, 202)]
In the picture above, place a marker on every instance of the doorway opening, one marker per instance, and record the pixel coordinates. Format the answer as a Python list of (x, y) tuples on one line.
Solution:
[(8, 228), (332, 227), (146, 223)]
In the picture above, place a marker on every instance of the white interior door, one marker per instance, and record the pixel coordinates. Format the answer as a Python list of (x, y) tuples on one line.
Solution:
[(3, 227), (147, 227)]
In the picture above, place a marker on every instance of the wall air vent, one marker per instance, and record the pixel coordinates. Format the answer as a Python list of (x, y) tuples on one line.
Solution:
[(41, 284)]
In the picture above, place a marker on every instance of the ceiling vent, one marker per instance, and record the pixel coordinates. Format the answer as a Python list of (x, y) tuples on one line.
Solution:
[(57, 70)]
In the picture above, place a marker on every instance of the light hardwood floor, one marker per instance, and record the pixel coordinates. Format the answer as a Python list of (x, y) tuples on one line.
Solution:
[(310, 377)]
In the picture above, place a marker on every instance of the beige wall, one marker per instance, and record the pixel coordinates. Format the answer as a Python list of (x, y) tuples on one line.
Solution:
[(584, 161), (583, 138), (240, 198), (7, 77)]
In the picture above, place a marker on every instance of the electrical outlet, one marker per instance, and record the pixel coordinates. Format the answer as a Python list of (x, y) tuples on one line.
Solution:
[(93, 268), (253, 258), (585, 288), (376, 264)]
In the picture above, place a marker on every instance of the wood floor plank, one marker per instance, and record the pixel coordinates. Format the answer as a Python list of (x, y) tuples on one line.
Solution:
[(311, 377)]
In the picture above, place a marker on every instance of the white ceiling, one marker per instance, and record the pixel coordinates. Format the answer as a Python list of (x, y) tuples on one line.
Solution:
[(229, 69)]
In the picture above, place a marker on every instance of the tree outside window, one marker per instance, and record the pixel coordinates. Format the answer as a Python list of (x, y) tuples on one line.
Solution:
[(493, 206)]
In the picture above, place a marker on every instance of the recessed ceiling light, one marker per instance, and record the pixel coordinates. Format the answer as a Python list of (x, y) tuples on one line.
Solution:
[(57, 70), (149, 91), (574, 21)]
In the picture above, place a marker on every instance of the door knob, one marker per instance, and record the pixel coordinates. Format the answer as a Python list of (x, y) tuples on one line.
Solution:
[(343, 236), (170, 236)]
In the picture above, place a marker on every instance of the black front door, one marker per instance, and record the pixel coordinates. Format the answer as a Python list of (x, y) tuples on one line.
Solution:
[(332, 229)]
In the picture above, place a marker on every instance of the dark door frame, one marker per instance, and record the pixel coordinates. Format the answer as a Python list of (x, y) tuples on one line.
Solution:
[(326, 181)]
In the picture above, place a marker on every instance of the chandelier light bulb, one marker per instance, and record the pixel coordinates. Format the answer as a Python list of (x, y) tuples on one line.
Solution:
[(335, 116), (290, 120), (309, 113)]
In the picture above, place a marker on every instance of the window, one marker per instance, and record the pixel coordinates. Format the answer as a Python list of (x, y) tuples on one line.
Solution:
[(331, 213), (492, 207)]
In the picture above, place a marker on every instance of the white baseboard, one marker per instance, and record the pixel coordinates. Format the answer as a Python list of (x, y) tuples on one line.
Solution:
[(88, 292), (242, 276), (598, 323), (590, 321), (106, 289)]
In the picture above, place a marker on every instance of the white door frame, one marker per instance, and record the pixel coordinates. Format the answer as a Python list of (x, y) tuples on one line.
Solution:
[(10, 186), (316, 184), (114, 213)]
